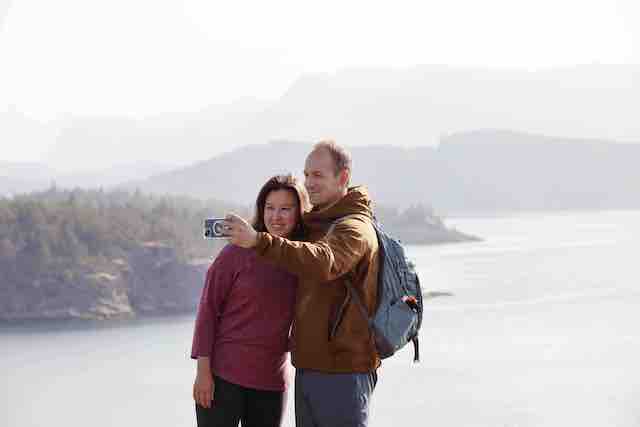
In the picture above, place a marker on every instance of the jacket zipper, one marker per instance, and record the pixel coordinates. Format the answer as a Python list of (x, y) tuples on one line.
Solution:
[(336, 323)]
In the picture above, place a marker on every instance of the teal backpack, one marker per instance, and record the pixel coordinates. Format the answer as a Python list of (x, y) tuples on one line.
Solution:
[(398, 315)]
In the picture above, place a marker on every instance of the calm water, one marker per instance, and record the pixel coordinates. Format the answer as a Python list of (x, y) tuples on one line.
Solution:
[(543, 330)]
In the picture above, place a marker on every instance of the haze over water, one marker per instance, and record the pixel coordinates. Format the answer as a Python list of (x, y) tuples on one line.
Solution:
[(542, 330)]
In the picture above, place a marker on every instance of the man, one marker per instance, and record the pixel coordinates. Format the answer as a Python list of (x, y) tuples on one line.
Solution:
[(333, 349)]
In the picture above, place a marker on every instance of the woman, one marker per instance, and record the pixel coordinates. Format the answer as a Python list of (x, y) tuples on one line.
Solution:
[(245, 313)]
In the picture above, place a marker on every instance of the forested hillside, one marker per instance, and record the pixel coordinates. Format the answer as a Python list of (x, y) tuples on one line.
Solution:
[(98, 254)]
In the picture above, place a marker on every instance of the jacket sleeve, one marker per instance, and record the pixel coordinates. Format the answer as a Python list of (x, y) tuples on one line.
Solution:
[(220, 277), (335, 255)]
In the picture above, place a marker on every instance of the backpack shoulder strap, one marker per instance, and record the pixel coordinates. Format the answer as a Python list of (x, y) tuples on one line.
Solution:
[(358, 300), (349, 285)]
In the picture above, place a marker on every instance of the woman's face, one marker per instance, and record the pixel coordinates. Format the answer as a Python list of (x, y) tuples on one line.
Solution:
[(281, 212)]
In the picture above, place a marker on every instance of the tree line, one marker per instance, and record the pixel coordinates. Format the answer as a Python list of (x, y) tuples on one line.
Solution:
[(40, 231)]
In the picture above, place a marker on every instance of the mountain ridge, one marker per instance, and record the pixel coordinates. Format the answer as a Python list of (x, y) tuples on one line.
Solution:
[(410, 106), (470, 171)]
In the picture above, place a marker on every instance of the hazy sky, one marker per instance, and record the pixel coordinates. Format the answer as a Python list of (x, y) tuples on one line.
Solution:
[(140, 57)]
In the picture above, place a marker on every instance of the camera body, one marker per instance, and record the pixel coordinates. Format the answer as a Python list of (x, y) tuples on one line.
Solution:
[(214, 228)]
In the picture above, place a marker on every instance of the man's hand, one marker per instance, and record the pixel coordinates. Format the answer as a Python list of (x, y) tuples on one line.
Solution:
[(240, 232), (203, 386)]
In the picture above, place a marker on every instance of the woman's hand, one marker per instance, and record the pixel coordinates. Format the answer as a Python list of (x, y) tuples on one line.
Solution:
[(204, 385)]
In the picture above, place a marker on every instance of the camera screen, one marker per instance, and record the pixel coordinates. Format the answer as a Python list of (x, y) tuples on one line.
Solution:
[(214, 228)]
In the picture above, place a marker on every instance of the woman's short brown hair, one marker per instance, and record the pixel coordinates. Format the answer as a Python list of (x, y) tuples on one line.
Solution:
[(283, 182)]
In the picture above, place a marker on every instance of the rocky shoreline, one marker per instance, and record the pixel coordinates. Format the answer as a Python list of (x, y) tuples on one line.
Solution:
[(150, 281)]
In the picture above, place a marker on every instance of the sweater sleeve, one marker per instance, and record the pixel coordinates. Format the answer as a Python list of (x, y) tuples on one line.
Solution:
[(335, 255), (220, 276)]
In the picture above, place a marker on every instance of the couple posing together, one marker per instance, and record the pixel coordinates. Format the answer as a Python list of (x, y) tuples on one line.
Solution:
[(279, 286)]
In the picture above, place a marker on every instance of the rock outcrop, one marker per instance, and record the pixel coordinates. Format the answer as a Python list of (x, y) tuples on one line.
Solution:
[(151, 280)]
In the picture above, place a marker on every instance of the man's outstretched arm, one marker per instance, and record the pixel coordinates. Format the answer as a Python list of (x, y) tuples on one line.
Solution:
[(326, 260)]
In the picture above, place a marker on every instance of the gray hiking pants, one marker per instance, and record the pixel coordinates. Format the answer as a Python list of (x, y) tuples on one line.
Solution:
[(333, 400)]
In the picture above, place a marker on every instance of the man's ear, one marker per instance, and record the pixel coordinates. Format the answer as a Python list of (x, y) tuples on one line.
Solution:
[(345, 175)]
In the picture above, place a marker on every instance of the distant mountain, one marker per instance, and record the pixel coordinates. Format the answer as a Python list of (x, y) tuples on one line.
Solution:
[(483, 170), (26, 171), (416, 106), (10, 186), (234, 176), (409, 107), (17, 178), (176, 138), (18, 130), (490, 170), (112, 176)]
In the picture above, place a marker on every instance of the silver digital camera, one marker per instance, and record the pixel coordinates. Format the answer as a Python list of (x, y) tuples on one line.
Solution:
[(214, 228)]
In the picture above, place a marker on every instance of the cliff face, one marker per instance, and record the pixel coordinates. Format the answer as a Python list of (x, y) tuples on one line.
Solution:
[(150, 280), (160, 284)]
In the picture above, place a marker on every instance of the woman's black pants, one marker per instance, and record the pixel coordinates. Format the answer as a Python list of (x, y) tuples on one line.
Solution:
[(233, 403)]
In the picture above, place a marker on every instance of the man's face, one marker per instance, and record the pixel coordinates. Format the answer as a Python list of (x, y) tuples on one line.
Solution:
[(324, 187)]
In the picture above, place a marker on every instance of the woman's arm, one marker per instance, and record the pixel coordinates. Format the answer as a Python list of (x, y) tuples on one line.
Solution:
[(220, 277)]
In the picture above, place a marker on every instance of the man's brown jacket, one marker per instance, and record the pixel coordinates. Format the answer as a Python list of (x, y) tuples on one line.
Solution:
[(330, 333)]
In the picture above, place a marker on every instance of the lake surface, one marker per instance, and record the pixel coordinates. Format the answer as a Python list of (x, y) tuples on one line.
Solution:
[(543, 329)]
